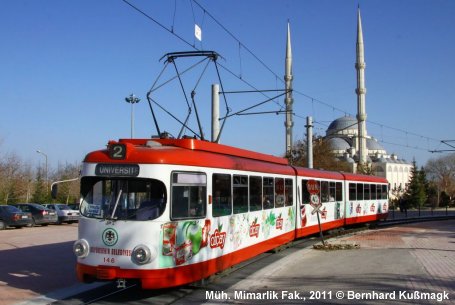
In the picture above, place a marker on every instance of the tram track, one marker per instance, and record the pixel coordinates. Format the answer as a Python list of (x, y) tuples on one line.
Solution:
[(115, 292), (131, 292)]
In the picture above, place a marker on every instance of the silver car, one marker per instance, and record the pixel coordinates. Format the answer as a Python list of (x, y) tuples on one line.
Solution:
[(64, 212)]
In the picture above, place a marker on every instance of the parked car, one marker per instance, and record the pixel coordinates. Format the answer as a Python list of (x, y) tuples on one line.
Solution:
[(74, 206), (11, 216), (40, 214), (64, 212)]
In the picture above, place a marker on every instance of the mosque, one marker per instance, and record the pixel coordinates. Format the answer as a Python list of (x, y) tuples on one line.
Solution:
[(350, 141)]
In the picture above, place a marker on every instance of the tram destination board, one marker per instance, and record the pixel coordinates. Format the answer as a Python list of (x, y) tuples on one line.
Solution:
[(117, 170)]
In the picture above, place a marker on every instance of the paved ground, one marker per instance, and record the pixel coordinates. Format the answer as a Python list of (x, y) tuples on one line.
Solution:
[(402, 265), (35, 261)]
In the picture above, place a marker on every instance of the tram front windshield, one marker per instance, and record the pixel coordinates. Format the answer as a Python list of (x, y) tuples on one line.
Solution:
[(122, 199)]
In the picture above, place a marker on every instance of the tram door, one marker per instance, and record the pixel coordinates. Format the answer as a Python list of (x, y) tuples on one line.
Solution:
[(305, 204), (336, 196)]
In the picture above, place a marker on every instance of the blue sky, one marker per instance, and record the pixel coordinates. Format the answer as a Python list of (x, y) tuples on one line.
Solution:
[(66, 67)]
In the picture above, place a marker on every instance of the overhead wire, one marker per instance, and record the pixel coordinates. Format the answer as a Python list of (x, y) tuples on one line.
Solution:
[(159, 24), (241, 78), (194, 47), (406, 132), (236, 39)]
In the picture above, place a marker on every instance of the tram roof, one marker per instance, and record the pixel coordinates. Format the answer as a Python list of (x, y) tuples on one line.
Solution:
[(317, 173), (365, 178), (193, 152), (194, 144), (323, 174)]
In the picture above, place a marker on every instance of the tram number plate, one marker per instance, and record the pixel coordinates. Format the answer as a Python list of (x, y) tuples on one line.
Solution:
[(117, 151)]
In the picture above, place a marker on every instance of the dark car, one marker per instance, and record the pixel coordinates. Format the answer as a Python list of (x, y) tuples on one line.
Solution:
[(13, 217), (64, 212), (40, 215)]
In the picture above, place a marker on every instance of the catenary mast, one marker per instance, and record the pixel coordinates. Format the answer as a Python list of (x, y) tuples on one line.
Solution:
[(288, 99)]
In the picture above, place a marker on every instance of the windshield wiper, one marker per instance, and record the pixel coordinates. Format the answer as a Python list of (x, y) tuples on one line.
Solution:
[(116, 204)]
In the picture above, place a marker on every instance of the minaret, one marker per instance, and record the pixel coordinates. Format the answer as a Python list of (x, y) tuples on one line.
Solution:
[(288, 86), (361, 91)]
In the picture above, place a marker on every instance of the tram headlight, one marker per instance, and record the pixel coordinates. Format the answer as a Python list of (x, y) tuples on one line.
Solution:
[(81, 248), (142, 255)]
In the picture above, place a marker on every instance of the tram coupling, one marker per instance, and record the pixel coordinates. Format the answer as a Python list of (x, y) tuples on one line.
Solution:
[(121, 284)]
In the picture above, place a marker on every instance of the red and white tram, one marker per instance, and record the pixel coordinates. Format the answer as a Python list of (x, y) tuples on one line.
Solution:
[(173, 211)]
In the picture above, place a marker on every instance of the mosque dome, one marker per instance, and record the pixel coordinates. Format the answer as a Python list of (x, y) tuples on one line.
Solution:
[(382, 160), (374, 146), (339, 144), (346, 125), (341, 136)]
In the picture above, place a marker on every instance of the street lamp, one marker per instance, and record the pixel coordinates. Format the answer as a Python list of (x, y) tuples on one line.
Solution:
[(132, 99), (45, 156)]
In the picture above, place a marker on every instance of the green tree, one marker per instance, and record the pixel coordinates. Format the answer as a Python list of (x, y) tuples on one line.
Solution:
[(433, 194), (40, 194), (445, 199), (416, 193)]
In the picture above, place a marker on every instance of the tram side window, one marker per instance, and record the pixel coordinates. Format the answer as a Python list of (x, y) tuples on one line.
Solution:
[(240, 194), (268, 193), (366, 192), (359, 191), (352, 191), (222, 198), (305, 193), (279, 192), (255, 193), (289, 192), (324, 191), (332, 191), (384, 192), (373, 192), (339, 191), (189, 193)]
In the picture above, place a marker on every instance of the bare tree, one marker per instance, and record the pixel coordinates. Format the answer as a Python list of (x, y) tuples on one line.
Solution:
[(20, 183), (323, 156), (441, 172), (68, 191), (10, 172)]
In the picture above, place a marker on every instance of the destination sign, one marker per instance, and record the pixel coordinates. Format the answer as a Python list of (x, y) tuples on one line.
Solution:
[(117, 170)]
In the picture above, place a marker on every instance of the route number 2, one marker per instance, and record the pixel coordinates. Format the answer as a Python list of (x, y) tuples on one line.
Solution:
[(117, 151)]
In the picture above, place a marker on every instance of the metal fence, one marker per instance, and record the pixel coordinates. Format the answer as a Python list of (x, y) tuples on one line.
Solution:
[(423, 212)]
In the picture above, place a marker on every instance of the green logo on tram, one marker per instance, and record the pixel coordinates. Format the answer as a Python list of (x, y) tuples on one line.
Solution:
[(110, 237)]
